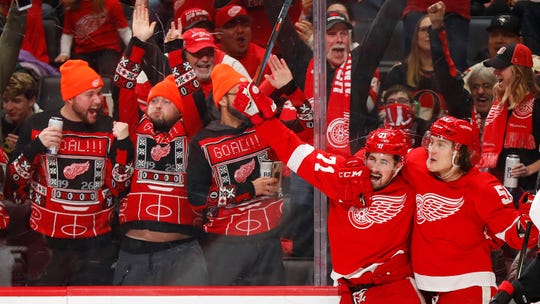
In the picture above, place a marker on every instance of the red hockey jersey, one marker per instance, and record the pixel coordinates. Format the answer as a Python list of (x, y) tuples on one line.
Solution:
[(449, 248)]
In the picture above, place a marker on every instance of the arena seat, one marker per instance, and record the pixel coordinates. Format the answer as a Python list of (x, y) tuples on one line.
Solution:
[(478, 39)]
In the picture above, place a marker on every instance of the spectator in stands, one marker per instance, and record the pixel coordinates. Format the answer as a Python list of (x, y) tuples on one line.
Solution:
[(504, 29), (481, 81), (18, 103), (202, 53), (72, 192), (233, 26), (242, 211), (398, 111), (160, 246), (456, 22), (304, 27), (11, 41), (513, 123), (429, 72), (348, 110), (96, 30)]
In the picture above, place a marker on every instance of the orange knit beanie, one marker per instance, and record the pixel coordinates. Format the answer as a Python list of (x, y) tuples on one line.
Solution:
[(167, 89), (77, 77), (224, 78)]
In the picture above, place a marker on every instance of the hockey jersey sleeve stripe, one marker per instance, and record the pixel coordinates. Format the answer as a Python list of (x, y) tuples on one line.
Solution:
[(298, 156)]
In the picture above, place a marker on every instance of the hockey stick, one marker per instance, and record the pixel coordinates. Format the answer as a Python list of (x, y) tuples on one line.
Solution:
[(272, 40), (523, 252)]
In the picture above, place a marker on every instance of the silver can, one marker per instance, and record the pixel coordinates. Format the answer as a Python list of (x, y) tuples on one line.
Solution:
[(266, 168), (58, 123), (509, 181)]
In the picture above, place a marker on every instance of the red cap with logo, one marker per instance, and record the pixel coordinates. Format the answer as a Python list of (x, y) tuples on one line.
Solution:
[(193, 16), (230, 12), (517, 54), (196, 39)]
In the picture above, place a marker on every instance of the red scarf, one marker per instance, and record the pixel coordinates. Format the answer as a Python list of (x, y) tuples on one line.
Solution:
[(517, 133), (338, 110)]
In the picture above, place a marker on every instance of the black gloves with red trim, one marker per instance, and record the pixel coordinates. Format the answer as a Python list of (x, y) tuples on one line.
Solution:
[(251, 102)]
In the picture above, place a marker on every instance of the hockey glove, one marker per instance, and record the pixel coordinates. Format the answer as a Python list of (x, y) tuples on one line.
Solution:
[(354, 183), (508, 291), (254, 104)]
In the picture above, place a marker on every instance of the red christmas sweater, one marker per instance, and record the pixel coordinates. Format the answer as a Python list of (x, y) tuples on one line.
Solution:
[(449, 248), (72, 193), (158, 197), (223, 161), (361, 239), (95, 31)]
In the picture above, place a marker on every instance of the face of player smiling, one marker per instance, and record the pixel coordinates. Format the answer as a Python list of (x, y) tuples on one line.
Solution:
[(382, 167), (440, 152), (86, 106), (337, 44)]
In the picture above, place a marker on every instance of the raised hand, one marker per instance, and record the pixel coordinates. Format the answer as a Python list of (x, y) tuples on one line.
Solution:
[(174, 32), (120, 130), (436, 13), (281, 75), (141, 26)]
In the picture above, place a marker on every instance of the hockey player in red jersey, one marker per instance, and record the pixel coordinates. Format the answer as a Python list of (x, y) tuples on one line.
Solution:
[(456, 205), (371, 207)]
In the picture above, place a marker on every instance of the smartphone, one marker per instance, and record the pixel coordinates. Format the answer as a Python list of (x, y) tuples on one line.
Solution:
[(23, 5)]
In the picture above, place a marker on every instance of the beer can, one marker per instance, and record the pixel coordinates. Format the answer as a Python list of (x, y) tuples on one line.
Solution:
[(266, 168), (511, 161), (58, 123)]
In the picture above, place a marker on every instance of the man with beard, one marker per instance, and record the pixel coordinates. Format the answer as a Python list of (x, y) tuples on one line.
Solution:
[(371, 206), (242, 207), (72, 192), (160, 246), (349, 113)]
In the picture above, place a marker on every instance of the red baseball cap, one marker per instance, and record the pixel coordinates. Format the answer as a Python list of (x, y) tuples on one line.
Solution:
[(517, 54), (193, 16), (230, 12), (196, 39)]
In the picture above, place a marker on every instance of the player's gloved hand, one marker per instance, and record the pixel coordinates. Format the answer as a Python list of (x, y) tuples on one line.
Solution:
[(254, 104), (524, 205), (508, 291), (354, 183), (525, 202), (4, 217)]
